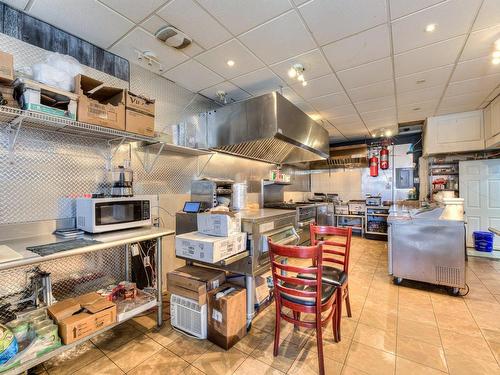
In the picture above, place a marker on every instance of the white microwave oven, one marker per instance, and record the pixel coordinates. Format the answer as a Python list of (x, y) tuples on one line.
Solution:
[(97, 215)]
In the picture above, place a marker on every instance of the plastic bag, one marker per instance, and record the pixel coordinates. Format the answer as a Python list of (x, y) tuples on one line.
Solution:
[(58, 70)]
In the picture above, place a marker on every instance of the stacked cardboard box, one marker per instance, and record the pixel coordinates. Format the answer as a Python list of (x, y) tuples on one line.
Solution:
[(139, 114)]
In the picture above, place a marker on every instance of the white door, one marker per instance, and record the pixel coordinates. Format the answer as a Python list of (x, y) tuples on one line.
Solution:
[(480, 187)]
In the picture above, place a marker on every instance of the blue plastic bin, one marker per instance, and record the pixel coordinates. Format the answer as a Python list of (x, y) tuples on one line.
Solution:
[(483, 241)]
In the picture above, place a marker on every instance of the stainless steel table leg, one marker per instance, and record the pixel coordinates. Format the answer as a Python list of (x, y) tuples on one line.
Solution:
[(127, 262), (249, 283), (159, 316)]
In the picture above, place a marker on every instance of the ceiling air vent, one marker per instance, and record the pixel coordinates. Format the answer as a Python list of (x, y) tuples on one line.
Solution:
[(173, 37)]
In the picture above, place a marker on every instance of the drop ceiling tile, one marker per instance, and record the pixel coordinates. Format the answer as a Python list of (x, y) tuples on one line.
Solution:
[(329, 101), (480, 43), (367, 46), (401, 8), (259, 82), (313, 62), (216, 59), (279, 39), (483, 84), (366, 74), (233, 93), (351, 120), (291, 95), (489, 15), (133, 9), (474, 68), (373, 91), (195, 22), (414, 116), (332, 20), (242, 15), (493, 94), (380, 114), (421, 95), (18, 4), (375, 104), (465, 102), (452, 18), (335, 135), (427, 78), (140, 40), (155, 23), (318, 87), (193, 76), (428, 57), (305, 107), (80, 20), (424, 106), (338, 111)]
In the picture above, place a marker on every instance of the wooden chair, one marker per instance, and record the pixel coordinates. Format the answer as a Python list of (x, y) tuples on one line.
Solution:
[(310, 296), (335, 252)]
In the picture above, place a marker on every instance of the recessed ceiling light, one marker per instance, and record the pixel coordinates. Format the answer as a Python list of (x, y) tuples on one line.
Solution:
[(292, 73), (495, 61), (374, 135), (230, 62), (304, 83), (430, 27), (388, 133), (419, 81)]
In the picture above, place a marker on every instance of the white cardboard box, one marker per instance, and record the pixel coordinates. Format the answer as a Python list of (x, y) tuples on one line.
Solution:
[(219, 224), (209, 249)]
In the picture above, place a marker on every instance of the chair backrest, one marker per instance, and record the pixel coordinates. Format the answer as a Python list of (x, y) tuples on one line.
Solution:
[(281, 278), (340, 249)]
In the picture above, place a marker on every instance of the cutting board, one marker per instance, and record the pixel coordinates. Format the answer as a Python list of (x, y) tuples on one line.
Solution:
[(7, 254)]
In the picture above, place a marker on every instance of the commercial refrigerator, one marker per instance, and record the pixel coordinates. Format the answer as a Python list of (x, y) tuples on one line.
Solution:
[(423, 247)]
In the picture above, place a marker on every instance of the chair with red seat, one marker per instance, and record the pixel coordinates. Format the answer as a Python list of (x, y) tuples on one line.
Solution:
[(335, 252), (309, 296)]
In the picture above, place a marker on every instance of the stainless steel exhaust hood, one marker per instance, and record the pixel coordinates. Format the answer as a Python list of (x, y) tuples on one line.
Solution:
[(267, 128)]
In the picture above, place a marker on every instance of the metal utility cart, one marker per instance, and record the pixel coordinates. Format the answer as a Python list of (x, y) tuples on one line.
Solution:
[(107, 257)]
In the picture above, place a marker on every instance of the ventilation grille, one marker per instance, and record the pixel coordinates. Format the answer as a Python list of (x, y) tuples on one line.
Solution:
[(270, 150), (448, 276), (188, 316)]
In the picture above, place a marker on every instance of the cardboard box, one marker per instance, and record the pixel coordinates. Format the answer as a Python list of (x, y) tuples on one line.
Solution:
[(139, 114), (222, 224), (209, 249), (8, 95), (262, 293), (6, 67), (227, 316), (75, 323), (99, 104), (194, 282)]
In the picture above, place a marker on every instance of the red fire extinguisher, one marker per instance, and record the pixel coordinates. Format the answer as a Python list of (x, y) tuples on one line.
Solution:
[(384, 158), (374, 166)]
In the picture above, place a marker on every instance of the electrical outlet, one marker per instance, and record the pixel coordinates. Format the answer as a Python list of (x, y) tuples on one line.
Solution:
[(134, 249), (156, 221)]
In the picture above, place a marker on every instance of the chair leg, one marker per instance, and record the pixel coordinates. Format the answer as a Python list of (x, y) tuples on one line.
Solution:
[(319, 343), (277, 326), (296, 316), (339, 297), (334, 321), (347, 302)]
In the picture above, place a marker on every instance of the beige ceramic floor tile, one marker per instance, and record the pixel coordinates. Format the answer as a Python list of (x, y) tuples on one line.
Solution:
[(286, 355), (219, 361), (428, 333), (406, 367), (252, 366), (191, 370), (377, 319), (376, 338), (74, 359), (164, 335), (248, 343), (474, 346), (424, 315), (459, 323), (116, 337), (134, 352), (336, 351), (460, 365), (370, 360), (421, 352), (145, 322), (348, 370), (307, 364), (103, 366), (162, 363), (189, 349)]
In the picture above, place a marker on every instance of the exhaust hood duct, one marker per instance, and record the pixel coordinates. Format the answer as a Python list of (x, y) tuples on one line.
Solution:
[(354, 156), (267, 128)]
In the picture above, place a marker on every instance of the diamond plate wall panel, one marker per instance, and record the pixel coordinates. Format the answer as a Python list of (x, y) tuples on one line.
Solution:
[(71, 276)]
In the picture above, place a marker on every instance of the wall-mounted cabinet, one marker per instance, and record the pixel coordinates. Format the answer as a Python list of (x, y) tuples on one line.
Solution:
[(492, 124), (456, 132)]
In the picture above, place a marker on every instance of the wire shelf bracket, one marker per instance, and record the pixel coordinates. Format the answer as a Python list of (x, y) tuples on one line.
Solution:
[(13, 129)]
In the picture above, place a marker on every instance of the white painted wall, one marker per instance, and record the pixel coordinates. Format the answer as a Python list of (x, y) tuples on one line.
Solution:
[(346, 183)]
